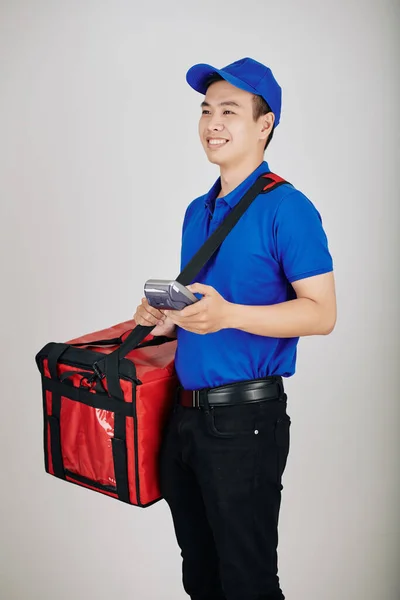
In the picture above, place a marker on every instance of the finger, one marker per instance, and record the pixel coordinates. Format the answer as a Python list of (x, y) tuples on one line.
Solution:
[(151, 310), (188, 311), (200, 288), (188, 324), (145, 318), (192, 310), (176, 316), (146, 323), (173, 317)]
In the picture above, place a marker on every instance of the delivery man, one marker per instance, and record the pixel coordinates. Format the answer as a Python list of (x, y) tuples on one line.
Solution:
[(226, 443)]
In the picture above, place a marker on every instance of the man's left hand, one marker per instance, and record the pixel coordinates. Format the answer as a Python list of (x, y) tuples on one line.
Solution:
[(208, 315)]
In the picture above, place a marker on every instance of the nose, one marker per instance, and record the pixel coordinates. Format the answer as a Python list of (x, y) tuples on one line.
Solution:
[(213, 124)]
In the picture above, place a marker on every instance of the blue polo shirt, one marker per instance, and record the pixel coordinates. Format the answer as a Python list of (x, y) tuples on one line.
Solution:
[(278, 240)]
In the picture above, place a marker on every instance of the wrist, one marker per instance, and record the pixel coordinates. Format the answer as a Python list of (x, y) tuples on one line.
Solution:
[(232, 316)]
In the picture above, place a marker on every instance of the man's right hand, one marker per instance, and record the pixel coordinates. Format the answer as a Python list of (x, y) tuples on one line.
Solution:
[(148, 315)]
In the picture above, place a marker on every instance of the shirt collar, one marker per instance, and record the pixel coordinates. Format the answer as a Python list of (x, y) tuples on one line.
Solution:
[(236, 194)]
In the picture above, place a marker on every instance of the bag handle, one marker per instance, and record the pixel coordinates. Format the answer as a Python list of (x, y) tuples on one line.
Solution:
[(111, 342), (161, 339), (109, 365)]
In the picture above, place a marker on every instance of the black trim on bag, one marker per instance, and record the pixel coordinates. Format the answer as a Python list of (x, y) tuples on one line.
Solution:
[(136, 449), (96, 484), (55, 436), (104, 489), (97, 400), (79, 357), (45, 434), (118, 443)]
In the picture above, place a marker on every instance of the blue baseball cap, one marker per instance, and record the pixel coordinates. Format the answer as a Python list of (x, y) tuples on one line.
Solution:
[(246, 74)]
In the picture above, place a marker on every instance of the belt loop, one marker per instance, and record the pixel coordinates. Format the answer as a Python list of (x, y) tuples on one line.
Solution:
[(281, 388), (206, 404)]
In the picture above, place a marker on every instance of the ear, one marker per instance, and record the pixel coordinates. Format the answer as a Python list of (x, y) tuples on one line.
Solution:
[(267, 123)]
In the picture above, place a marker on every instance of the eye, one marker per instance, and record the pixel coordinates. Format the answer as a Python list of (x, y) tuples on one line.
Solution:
[(203, 112)]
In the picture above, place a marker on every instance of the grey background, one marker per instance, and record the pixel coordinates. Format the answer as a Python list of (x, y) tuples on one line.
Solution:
[(99, 156)]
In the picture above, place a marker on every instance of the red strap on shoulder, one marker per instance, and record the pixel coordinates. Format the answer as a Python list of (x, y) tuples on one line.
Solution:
[(274, 180)]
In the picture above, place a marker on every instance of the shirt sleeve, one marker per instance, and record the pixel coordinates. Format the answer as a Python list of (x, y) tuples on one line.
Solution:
[(300, 240)]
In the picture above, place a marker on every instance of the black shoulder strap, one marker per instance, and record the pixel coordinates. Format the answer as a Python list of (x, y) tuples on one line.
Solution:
[(265, 183)]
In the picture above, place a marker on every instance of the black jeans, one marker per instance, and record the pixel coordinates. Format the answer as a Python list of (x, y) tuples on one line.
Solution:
[(220, 473)]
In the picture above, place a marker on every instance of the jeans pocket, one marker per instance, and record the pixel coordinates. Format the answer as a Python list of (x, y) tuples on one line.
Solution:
[(231, 421)]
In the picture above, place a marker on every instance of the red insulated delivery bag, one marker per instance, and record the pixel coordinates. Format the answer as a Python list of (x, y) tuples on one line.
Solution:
[(108, 444), (107, 395)]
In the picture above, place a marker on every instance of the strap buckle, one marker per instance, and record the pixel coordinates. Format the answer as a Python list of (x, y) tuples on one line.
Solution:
[(98, 371)]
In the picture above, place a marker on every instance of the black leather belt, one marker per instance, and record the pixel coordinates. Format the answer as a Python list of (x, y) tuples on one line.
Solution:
[(256, 390)]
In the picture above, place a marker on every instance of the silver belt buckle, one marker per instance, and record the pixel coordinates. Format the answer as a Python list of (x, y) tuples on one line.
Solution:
[(196, 399)]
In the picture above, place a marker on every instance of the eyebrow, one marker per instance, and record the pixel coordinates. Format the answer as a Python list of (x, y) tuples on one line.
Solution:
[(226, 103)]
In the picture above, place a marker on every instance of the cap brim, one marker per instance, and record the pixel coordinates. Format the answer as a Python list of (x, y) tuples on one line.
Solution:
[(198, 75)]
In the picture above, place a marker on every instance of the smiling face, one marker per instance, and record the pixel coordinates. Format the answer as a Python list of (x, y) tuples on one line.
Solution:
[(228, 132)]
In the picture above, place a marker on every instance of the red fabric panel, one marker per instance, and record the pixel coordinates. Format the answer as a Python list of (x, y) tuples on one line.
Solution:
[(154, 362), (86, 434), (152, 412)]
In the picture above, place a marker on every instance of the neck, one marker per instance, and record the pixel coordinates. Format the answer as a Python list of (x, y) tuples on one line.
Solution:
[(233, 175)]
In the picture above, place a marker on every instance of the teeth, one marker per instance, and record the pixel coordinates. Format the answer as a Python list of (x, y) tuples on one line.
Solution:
[(217, 142)]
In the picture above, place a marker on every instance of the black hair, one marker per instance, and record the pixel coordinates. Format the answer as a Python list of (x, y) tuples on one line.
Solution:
[(260, 106)]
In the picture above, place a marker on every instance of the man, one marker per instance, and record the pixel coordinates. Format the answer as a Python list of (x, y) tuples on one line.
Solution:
[(271, 281)]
